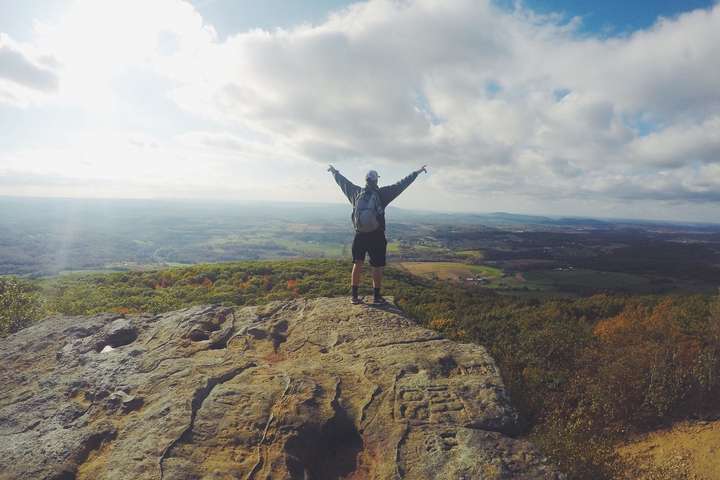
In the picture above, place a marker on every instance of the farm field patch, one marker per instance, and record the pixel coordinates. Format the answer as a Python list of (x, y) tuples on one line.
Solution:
[(584, 278), (454, 271)]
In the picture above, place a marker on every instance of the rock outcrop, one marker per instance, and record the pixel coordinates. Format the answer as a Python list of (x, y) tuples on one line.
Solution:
[(304, 389)]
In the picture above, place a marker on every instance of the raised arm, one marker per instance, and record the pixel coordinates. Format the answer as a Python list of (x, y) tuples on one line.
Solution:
[(349, 189), (391, 192)]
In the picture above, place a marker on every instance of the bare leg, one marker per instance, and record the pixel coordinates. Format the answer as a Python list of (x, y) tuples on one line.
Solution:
[(356, 272), (377, 275)]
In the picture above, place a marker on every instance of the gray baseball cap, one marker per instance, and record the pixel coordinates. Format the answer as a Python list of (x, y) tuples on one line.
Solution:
[(372, 175)]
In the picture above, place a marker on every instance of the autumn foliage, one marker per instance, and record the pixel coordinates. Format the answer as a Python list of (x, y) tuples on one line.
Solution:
[(649, 365), (656, 362)]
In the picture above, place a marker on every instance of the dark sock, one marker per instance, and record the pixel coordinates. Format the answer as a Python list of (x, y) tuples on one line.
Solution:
[(354, 291), (376, 292)]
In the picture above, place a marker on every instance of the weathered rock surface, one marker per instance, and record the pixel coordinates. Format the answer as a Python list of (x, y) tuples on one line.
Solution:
[(305, 389)]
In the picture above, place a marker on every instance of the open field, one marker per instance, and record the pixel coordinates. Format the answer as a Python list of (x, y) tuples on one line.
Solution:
[(314, 248), (533, 282), (454, 271), (470, 254), (585, 279), (393, 247)]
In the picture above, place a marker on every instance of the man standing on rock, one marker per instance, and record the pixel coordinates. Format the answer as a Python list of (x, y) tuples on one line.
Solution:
[(368, 218)]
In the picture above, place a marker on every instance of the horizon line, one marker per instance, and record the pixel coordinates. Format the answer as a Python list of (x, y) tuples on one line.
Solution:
[(436, 212)]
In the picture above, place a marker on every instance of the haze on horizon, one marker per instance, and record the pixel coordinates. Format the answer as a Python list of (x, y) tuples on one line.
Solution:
[(602, 111)]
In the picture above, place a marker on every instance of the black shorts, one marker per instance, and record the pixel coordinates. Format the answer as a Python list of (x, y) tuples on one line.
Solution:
[(374, 244)]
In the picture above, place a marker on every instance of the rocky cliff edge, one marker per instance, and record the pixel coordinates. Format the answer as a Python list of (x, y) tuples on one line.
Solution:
[(303, 389)]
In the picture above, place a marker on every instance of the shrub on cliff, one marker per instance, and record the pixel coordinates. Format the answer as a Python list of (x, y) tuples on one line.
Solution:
[(19, 306)]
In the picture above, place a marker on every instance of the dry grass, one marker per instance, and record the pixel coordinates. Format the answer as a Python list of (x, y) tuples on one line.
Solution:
[(688, 450)]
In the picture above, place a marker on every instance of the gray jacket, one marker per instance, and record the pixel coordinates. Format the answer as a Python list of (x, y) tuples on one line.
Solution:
[(387, 193)]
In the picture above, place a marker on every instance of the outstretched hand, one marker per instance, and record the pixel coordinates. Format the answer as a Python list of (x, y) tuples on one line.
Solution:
[(422, 169), (332, 169)]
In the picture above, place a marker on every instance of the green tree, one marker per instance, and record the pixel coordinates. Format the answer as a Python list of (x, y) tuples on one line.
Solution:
[(19, 306)]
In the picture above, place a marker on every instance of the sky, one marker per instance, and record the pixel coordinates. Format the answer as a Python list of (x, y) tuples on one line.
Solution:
[(566, 107)]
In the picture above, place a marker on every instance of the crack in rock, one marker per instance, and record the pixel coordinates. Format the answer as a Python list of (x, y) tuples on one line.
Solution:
[(328, 452), (198, 399), (68, 470), (408, 342)]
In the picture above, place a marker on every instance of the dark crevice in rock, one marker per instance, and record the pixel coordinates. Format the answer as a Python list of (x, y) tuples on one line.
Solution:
[(68, 471), (197, 335), (398, 447), (123, 337), (278, 334), (219, 340), (447, 365), (211, 329), (280, 327), (256, 332), (65, 475), (198, 399), (118, 338), (326, 453), (376, 391), (219, 345)]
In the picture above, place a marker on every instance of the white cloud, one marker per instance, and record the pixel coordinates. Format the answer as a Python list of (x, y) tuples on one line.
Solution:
[(25, 75), (680, 145), (465, 86), (496, 101)]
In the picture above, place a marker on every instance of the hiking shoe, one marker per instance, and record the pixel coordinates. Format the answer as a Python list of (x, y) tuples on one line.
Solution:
[(355, 300), (379, 300)]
